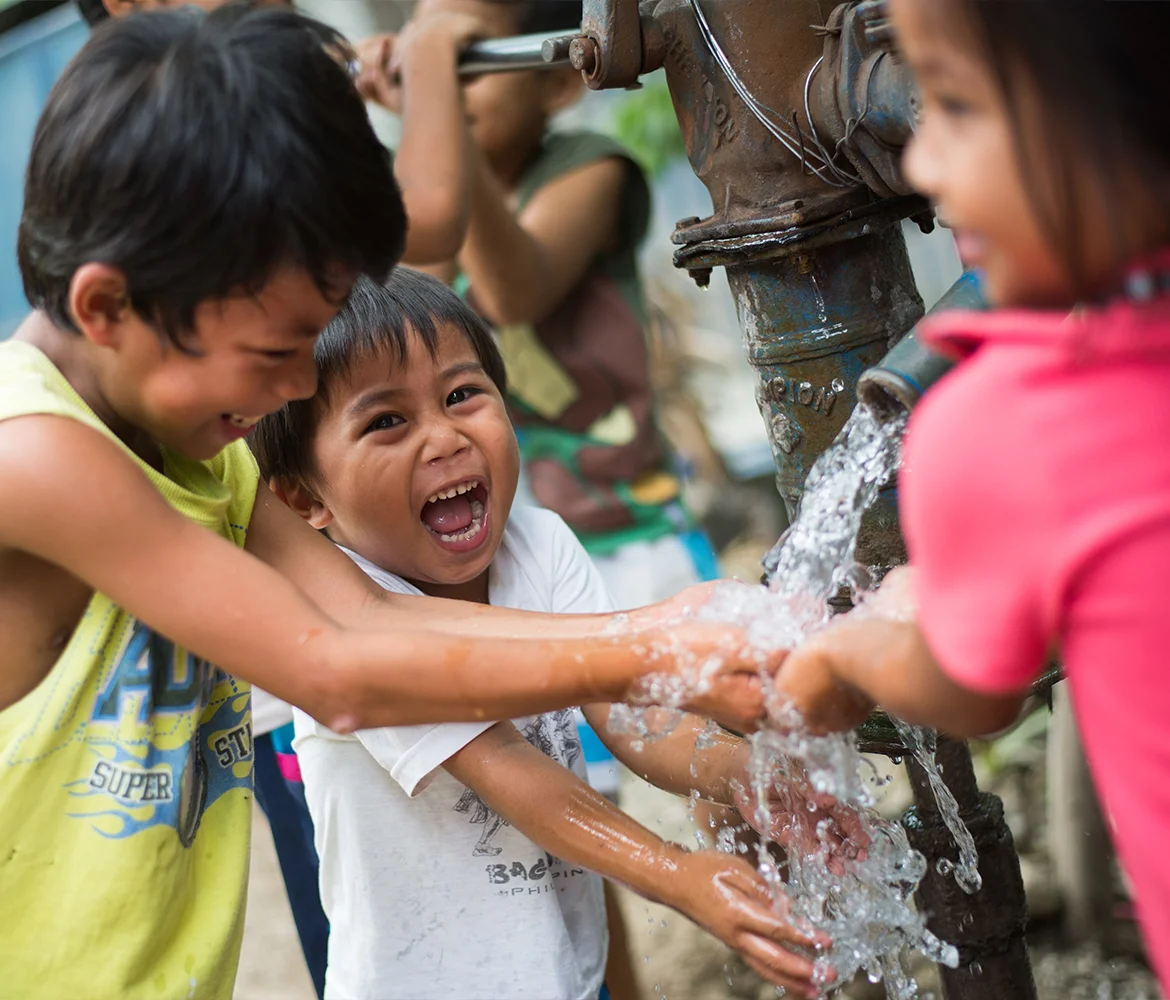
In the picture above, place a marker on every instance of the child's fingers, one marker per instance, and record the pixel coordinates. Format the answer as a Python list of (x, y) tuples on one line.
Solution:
[(777, 966), (759, 915)]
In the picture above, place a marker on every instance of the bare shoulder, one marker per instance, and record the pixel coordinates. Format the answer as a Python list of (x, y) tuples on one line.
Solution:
[(60, 476)]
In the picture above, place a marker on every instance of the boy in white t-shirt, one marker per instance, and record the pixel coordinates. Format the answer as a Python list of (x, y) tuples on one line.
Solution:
[(457, 860)]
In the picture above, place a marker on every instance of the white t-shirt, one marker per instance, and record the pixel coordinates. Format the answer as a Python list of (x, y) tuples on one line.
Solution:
[(268, 712), (428, 892)]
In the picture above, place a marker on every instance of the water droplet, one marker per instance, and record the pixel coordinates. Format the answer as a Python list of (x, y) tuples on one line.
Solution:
[(976, 968)]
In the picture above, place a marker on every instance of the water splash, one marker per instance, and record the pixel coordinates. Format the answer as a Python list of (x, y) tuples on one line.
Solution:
[(923, 743), (847, 870)]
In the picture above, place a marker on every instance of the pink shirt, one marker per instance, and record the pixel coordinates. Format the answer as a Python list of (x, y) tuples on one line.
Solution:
[(1036, 505)]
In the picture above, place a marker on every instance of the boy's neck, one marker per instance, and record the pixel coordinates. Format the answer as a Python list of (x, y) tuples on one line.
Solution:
[(72, 355), (475, 591)]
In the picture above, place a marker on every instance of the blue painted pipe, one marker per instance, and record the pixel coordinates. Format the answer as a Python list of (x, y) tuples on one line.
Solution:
[(898, 381)]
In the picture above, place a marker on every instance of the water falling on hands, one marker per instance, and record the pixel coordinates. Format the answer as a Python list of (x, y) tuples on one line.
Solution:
[(698, 662), (727, 897), (792, 814)]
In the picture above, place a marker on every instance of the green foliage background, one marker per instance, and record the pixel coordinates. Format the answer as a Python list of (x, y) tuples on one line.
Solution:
[(644, 123)]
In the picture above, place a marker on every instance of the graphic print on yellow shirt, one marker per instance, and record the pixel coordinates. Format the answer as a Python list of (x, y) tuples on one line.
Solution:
[(126, 775)]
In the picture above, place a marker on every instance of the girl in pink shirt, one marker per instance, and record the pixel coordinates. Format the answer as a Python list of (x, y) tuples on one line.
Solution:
[(1036, 482)]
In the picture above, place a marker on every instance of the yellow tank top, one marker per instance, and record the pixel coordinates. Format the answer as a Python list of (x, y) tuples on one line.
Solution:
[(126, 775)]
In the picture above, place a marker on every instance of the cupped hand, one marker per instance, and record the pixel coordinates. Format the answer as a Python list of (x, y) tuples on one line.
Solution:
[(804, 821), (808, 682), (708, 668), (726, 896)]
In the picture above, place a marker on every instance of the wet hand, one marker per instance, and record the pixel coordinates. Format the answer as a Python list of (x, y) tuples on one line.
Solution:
[(808, 681), (706, 668), (803, 821), (893, 600), (726, 896)]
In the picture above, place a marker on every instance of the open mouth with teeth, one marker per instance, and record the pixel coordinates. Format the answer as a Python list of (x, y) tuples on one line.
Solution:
[(456, 516)]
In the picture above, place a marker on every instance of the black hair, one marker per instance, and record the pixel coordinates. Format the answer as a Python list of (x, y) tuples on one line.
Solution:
[(1099, 120), (199, 154), (94, 11), (549, 17), (375, 319)]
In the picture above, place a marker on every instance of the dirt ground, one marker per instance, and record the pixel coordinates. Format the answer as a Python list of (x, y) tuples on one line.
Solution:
[(673, 958)]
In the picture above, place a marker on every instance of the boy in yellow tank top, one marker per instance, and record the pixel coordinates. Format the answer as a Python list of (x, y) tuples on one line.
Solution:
[(202, 194)]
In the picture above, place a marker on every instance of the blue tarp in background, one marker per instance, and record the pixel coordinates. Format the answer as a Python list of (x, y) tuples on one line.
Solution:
[(31, 58)]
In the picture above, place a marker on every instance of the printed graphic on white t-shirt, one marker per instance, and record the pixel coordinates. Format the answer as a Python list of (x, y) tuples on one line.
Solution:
[(428, 891)]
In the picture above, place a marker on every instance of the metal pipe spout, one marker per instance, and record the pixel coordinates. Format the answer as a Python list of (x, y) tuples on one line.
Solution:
[(897, 382)]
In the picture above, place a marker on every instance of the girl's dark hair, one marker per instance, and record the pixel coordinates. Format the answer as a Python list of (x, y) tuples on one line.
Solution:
[(1099, 120), (199, 154), (377, 318), (94, 11)]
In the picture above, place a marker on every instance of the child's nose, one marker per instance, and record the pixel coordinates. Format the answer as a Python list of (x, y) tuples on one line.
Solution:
[(445, 441), (299, 378)]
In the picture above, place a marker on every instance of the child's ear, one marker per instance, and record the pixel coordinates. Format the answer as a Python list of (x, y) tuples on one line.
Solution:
[(99, 303), (562, 88), (302, 500)]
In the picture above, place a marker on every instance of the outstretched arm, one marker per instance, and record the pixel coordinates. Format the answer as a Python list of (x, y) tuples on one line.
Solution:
[(555, 809), (675, 763), (232, 609), (877, 653)]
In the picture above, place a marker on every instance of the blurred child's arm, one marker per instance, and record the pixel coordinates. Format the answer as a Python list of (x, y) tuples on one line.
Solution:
[(121, 538), (414, 76), (834, 677), (560, 813), (523, 267)]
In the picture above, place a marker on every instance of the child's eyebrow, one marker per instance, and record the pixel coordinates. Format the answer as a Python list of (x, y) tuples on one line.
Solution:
[(464, 368), (376, 397), (373, 398)]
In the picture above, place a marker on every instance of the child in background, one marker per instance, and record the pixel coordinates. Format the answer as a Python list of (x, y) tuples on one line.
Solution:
[(177, 291), (1036, 482), (453, 857), (549, 257)]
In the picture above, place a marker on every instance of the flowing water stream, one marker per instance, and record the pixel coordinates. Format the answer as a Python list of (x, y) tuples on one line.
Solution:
[(849, 872)]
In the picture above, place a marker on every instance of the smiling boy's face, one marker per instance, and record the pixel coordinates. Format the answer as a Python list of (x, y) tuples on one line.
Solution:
[(244, 357), (416, 465)]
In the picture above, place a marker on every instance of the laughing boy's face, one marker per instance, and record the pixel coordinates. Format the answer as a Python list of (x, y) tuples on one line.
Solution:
[(417, 463)]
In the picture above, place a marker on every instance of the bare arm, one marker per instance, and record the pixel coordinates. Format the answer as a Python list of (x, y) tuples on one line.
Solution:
[(560, 813), (675, 763), (414, 76), (522, 267), (835, 676), (232, 609)]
